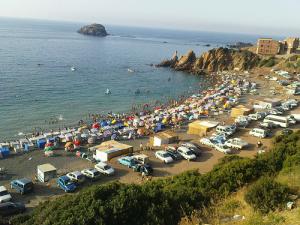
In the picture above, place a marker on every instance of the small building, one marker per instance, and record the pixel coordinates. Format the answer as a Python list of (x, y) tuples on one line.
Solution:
[(201, 127), (163, 138), (110, 149), (291, 45), (46, 172), (241, 110), (267, 46)]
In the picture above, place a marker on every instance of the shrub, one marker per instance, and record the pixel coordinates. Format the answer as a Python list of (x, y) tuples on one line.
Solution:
[(165, 201), (267, 195)]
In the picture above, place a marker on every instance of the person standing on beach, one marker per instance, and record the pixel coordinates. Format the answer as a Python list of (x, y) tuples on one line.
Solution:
[(141, 146)]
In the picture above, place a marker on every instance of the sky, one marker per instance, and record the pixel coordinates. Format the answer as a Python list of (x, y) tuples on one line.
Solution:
[(239, 16)]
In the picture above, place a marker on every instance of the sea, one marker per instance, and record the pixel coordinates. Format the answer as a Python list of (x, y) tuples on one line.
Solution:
[(38, 89)]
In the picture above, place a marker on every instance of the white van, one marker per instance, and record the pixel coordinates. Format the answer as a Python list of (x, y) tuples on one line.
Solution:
[(257, 132), (142, 158)]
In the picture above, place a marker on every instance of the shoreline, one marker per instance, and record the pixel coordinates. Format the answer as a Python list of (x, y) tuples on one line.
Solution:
[(56, 124)]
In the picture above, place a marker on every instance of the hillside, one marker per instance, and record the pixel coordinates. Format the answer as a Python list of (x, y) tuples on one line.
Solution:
[(223, 59), (166, 201), (218, 59)]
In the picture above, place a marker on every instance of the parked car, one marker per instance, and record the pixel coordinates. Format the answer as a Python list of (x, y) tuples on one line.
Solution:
[(236, 143), (275, 112), (223, 148), (227, 130), (144, 169), (174, 154), (242, 121), (88, 157), (76, 177), (4, 195), (104, 168), (192, 147), (207, 142), (11, 208), (255, 116), (164, 156), (127, 161), (186, 153), (268, 125), (292, 120), (23, 186), (257, 132), (91, 173), (66, 184)]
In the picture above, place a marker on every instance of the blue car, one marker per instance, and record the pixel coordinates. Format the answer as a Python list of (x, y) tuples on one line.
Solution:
[(127, 161), (66, 184)]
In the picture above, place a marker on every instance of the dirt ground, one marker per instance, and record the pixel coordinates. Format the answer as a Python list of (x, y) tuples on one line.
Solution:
[(25, 165)]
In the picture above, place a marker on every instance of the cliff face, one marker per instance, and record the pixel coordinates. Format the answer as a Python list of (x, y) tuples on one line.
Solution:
[(93, 30), (219, 59)]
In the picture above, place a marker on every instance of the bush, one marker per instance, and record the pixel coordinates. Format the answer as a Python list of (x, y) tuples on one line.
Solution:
[(269, 62), (267, 195), (165, 201), (292, 161)]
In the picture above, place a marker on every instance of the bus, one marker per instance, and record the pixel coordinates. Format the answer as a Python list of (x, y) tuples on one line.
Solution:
[(277, 120)]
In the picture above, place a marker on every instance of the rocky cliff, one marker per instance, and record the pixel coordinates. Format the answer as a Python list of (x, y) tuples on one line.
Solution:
[(93, 30), (219, 59)]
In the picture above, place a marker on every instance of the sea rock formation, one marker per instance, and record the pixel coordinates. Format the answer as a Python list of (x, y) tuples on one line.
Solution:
[(219, 59), (94, 29)]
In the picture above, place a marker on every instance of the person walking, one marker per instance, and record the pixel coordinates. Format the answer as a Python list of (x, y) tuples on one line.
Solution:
[(141, 146)]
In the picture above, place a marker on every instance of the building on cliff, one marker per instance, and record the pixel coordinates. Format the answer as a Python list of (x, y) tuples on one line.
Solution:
[(268, 46), (291, 45)]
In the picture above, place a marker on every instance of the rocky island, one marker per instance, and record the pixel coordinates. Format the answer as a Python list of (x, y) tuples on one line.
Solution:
[(218, 59), (94, 29)]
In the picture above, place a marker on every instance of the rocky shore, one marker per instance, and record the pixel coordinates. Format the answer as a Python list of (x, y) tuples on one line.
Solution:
[(218, 59), (94, 29)]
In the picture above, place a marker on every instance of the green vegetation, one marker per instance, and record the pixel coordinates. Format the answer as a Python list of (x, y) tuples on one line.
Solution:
[(271, 219), (164, 201), (267, 195), (269, 62)]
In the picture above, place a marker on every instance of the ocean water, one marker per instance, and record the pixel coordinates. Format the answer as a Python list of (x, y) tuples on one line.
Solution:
[(38, 86)]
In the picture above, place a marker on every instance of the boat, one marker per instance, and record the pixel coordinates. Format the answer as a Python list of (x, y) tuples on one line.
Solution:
[(73, 68), (130, 70), (138, 91), (107, 92)]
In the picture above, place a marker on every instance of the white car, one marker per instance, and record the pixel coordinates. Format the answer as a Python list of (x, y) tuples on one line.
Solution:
[(186, 153), (257, 132), (223, 148), (236, 143), (104, 168), (207, 142), (76, 176), (164, 156), (90, 173), (255, 116), (4, 195)]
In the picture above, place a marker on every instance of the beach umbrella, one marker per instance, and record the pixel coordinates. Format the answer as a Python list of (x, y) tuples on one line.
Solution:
[(103, 123), (96, 125)]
